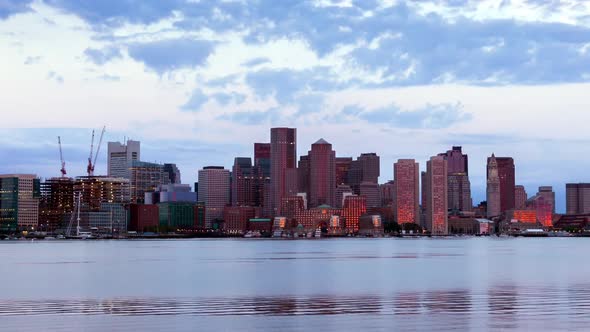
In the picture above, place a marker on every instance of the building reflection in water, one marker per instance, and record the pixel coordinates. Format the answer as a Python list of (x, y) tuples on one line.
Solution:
[(502, 307)]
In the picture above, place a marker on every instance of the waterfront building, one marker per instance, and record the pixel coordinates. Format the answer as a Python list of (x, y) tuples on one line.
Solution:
[(543, 208), (521, 216), (372, 193), (322, 174), (437, 196), (143, 218), (171, 193), (283, 168), (354, 207), (371, 225), (176, 216), (291, 206), (19, 202), (102, 202), (407, 191), (493, 188), (236, 217), (262, 225), (577, 198), (214, 191), (243, 184), (56, 204), (506, 175), (520, 197), (120, 157), (317, 217)]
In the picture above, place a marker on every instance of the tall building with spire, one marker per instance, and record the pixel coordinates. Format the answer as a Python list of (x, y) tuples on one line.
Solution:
[(407, 191), (322, 174), (283, 168), (493, 188)]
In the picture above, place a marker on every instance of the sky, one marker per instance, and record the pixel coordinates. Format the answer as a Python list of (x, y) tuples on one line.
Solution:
[(198, 82)]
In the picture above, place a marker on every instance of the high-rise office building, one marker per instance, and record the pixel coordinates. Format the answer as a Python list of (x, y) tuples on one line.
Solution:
[(120, 157), (19, 202), (322, 174), (303, 175), (520, 197), (506, 175), (366, 168), (493, 193), (407, 191), (459, 186), (103, 200), (372, 193), (342, 167), (214, 191), (549, 195), (437, 193), (262, 183), (243, 184), (387, 193), (283, 168), (577, 198), (261, 151)]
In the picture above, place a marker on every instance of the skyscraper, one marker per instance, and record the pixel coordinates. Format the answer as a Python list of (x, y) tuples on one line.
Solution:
[(214, 191), (372, 193), (173, 173), (365, 168), (243, 184), (303, 175), (520, 197), (459, 186), (283, 155), (577, 198), (145, 177), (407, 191), (120, 157), (436, 213), (506, 169), (262, 183), (341, 191), (261, 151), (322, 170), (493, 188)]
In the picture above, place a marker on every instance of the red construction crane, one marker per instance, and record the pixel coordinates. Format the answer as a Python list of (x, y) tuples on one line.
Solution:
[(92, 162), (61, 158)]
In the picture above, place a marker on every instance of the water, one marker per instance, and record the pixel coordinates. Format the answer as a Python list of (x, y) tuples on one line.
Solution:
[(269, 285)]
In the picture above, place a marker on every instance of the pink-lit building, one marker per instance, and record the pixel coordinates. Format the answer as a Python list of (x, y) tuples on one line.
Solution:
[(407, 191), (283, 168), (354, 208), (236, 217), (243, 185), (342, 167), (387, 193), (372, 193), (436, 213), (520, 197), (543, 209), (322, 171)]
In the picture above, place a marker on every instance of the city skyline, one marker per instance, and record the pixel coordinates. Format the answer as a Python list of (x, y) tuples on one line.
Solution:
[(373, 80)]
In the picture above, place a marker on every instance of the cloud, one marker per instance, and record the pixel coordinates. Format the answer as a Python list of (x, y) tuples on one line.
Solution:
[(256, 62), (102, 56), (226, 98), (55, 77), (118, 12), (31, 60), (12, 7), (171, 54), (196, 100), (438, 116), (110, 78)]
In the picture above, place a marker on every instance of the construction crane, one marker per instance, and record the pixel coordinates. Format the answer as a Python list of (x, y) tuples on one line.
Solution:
[(61, 158), (91, 161)]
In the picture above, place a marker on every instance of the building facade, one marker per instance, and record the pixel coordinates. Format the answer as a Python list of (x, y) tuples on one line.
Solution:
[(354, 207), (120, 157), (437, 196), (577, 198), (322, 174), (407, 191), (57, 203), (145, 177), (493, 189), (214, 191), (459, 186), (506, 174), (520, 197), (19, 202), (243, 184), (372, 193), (283, 168)]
